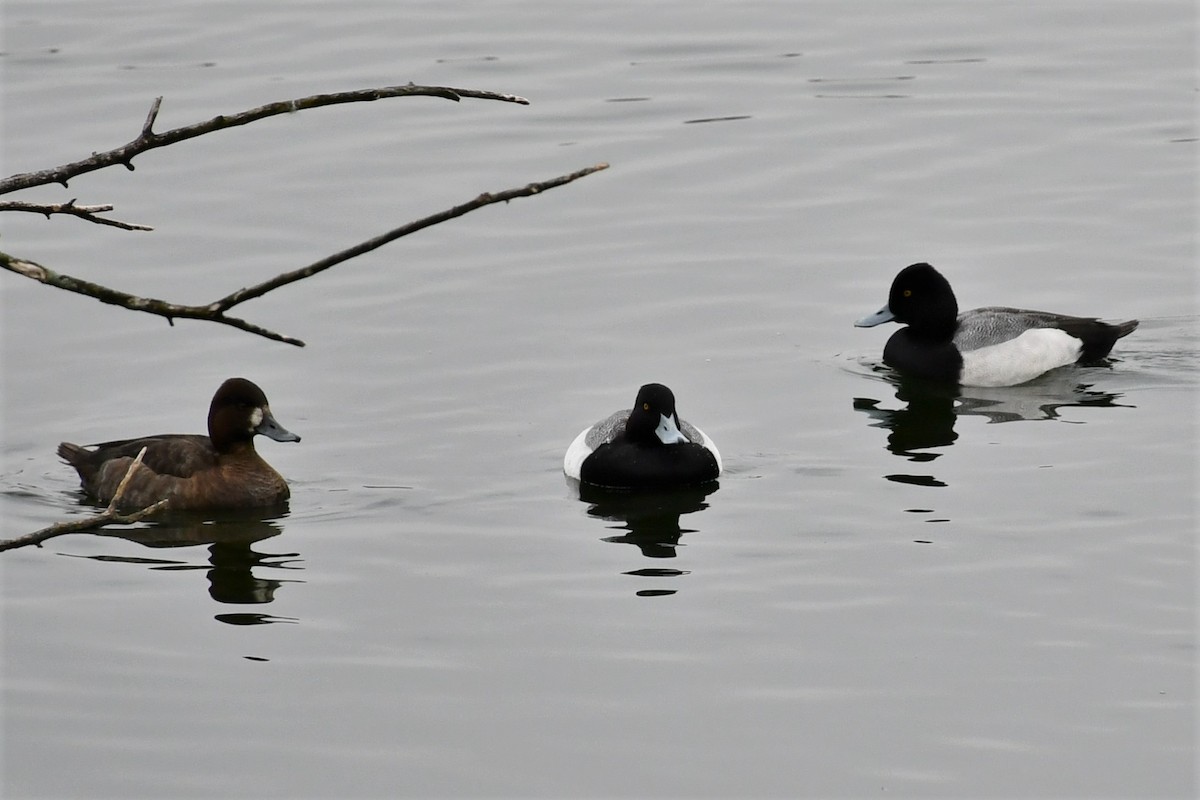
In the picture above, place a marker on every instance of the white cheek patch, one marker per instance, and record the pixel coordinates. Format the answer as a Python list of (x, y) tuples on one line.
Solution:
[(256, 418), (1021, 359), (667, 432)]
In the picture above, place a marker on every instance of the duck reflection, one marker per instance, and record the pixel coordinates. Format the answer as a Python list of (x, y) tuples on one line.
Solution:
[(929, 409), (649, 520), (232, 558)]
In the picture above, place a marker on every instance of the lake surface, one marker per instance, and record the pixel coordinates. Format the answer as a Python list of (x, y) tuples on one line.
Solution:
[(893, 592)]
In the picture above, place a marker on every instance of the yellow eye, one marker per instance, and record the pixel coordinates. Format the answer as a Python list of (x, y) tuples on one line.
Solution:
[(908, 292), (645, 406)]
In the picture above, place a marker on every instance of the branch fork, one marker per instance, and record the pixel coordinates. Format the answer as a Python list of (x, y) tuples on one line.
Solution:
[(110, 515)]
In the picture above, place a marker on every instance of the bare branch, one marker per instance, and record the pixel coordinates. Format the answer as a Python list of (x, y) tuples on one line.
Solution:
[(148, 125), (215, 311), (110, 515), (242, 295), (148, 140), (120, 492), (83, 212), (150, 305)]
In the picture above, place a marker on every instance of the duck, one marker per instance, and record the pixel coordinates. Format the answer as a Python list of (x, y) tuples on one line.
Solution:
[(220, 471), (988, 347), (645, 447)]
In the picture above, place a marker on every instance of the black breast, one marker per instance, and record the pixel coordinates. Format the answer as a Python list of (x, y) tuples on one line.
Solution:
[(922, 358), (621, 464)]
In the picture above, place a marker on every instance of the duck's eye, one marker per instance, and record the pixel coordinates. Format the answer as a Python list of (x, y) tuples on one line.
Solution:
[(907, 292), (645, 406)]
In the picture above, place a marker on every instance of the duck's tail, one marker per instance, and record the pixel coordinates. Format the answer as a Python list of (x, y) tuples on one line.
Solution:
[(1100, 337), (1125, 328), (80, 458), (73, 454)]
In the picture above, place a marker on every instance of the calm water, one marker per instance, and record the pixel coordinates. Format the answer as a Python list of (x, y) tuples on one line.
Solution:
[(893, 592)]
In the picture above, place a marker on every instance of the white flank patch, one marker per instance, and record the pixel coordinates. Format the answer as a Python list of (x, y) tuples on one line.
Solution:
[(707, 444), (1021, 359), (576, 453)]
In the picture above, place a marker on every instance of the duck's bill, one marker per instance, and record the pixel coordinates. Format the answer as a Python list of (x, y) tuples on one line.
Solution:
[(878, 318), (273, 430)]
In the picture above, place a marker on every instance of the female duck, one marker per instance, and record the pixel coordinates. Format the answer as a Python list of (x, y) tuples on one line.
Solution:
[(218, 471), (647, 447), (991, 346)]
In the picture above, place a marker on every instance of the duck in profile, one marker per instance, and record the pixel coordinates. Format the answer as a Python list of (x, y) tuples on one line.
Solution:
[(194, 472), (993, 346), (646, 447)]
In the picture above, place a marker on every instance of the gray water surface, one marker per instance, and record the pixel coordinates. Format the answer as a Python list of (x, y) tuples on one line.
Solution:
[(894, 591)]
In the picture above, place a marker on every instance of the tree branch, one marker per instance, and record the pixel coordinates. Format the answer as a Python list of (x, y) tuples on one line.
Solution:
[(148, 140), (215, 311), (485, 199), (83, 212), (150, 305), (109, 516)]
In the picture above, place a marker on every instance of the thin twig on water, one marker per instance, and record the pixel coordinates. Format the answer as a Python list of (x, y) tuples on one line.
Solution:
[(110, 515)]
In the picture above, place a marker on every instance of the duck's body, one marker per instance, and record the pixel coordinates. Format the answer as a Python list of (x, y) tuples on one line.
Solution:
[(646, 447), (194, 472), (992, 346)]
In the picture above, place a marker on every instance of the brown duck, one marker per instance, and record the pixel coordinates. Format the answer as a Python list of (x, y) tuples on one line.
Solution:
[(218, 471)]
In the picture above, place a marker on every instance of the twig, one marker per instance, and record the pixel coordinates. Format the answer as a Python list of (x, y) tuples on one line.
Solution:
[(485, 199), (83, 212), (215, 311), (150, 305), (110, 516), (149, 140)]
